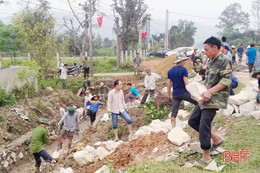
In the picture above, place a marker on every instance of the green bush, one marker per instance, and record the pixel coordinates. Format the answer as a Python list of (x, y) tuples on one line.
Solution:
[(152, 113), (104, 52), (6, 98), (2, 118), (121, 129)]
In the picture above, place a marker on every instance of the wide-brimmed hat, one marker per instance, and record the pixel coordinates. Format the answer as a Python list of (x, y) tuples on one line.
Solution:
[(198, 60), (256, 73), (233, 46), (180, 57), (101, 84), (71, 110), (95, 96), (248, 47), (148, 70), (87, 92), (44, 121)]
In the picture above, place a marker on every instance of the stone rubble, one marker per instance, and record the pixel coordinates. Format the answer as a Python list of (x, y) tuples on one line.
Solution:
[(177, 136), (213, 166)]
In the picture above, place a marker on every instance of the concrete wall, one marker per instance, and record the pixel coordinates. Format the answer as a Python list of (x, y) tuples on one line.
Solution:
[(9, 79)]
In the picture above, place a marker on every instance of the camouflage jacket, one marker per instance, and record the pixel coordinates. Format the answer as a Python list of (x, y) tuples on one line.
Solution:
[(86, 63), (103, 90), (219, 70)]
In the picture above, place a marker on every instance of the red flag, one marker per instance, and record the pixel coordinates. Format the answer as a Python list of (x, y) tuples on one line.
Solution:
[(143, 34), (99, 20)]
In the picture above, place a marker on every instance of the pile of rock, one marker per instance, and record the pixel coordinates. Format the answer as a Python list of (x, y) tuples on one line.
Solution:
[(244, 103)]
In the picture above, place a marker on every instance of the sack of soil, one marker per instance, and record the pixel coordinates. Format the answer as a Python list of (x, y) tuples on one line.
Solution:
[(196, 89)]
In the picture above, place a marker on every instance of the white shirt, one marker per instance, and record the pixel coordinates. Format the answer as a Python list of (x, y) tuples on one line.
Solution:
[(87, 98), (61, 111), (149, 81), (116, 101), (63, 74)]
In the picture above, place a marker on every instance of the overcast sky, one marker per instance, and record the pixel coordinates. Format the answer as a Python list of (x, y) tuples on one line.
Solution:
[(203, 12)]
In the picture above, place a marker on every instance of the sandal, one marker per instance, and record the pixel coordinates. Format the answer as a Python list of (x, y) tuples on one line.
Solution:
[(215, 146), (202, 163)]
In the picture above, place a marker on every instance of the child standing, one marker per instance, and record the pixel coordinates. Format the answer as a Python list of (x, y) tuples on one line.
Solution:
[(93, 108)]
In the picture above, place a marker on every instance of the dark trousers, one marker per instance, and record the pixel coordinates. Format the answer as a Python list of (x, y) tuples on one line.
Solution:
[(176, 100), (42, 154), (64, 84), (200, 120), (86, 72), (146, 93), (92, 116), (233, 85)]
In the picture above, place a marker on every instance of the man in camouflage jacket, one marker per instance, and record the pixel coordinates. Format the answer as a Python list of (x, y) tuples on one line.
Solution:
[(217, 80)]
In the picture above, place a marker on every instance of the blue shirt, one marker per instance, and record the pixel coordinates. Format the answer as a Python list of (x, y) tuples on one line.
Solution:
[(176, 75), (251, 53), (94, 105), (134, 91), (240, 50), (234, 79), (259, 82)]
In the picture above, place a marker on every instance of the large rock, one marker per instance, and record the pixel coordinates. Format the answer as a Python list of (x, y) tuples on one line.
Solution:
[(196, 78), (111, 145), (229, 111), (183, 114), (195, 146), (196, 89), (66, 170), (85, 156), (256, 115), (177, 136), (247, 108), (246, 94), (157, 125), (55, 155), (49, 90), (105, 118), (102, 153)]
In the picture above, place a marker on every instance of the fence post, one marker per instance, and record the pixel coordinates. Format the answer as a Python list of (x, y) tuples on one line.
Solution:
[(122, 56), (131, 55), (134, 53), (58, 60), (0, 60), (29, 55), (126, 56)]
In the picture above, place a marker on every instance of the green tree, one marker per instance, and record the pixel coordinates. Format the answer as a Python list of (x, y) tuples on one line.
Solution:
[(233, 18), (107, 43), (182, 34), (36, 30), (26, 74)]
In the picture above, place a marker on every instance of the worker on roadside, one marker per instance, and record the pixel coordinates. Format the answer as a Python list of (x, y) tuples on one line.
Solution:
[(87, 98), (240, 51), (149, 83), (177, 80), (63, 76), (217, 82), (137, 62), (40, 137), (85, 85), (61, 112), (117, 107), (103, 92), (233, 52), (202, 74), (86, 65), (256, 75), (70, 125), (93, 104), (198, 66), (133, 93)]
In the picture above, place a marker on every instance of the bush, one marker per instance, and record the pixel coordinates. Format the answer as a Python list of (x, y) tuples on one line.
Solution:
[(6, 98), (152, 113), (104, 52), (121, 129), (2, 118)]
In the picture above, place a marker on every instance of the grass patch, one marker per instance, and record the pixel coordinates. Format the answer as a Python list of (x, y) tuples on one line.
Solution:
[(121, 129), (242, 134), (2, 118)]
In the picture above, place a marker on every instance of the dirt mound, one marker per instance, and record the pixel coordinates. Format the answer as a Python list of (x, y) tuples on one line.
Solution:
[(166, 64), (134, 152)]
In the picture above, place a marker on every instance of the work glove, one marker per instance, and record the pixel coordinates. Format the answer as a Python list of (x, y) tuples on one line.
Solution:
[(109, 114)]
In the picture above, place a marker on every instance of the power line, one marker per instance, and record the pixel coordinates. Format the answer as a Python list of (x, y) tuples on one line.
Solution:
[(203, 17)]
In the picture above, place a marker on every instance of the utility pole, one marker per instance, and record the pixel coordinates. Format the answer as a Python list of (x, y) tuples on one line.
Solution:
[(139, 47), (90, 38), (166, 44), (148, 34)]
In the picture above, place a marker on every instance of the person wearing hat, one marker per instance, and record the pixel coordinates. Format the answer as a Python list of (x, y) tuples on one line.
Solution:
[(233, 85), (198, 66), (256, 75), (93, 104), (63, 76), (70, 124), (240, 51), (88, 97), (250, 58), (149, 83), (85, 85), (137, 62), (103, 92), (177, 80), (233, 52), (40, 137), (61, 112)]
